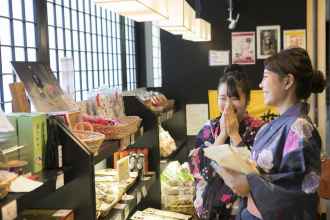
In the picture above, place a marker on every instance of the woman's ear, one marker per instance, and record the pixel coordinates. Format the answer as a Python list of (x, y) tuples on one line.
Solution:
[(289, 81)]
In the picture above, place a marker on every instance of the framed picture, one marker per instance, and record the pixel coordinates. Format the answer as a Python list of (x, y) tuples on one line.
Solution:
[(268, 41), (243, 47), (294, 38)]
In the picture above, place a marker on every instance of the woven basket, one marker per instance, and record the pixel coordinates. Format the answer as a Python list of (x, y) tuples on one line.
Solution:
[(129, 125), (93, 140)]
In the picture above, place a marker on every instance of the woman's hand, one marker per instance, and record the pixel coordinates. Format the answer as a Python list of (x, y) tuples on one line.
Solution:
[(236, 181), (221, 139), (231, 123)]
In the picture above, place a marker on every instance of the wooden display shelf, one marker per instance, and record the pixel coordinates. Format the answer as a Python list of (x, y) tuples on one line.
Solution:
[(52, 180)]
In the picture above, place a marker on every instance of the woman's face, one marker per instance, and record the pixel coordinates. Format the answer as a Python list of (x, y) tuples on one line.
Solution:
[(273, 88), (240, 103)]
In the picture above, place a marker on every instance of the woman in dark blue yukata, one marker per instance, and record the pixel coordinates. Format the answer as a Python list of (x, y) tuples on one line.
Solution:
[(286, 150), (213, 199)]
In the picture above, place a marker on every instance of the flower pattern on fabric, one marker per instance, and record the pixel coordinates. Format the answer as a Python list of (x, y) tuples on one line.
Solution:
[(265, 160), (302, 128), (310, 183), (210, 188)]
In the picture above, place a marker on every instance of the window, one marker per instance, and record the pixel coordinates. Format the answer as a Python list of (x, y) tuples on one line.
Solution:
[(17, 42), (130, 54), (91, 36), (156, 57)]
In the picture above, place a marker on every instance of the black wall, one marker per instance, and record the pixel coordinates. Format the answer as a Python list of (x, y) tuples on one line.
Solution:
[(186, 73)]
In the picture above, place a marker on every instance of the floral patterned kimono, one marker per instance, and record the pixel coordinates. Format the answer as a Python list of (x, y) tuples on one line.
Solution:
[(287, 152), (212, 195)]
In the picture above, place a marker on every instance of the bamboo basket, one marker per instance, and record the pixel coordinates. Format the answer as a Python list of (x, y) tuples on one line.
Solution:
[(85, 132), (129, 125)]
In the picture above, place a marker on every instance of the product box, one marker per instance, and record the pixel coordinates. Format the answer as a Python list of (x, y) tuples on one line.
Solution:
[(32, 133), (9, 139), (47, 214)]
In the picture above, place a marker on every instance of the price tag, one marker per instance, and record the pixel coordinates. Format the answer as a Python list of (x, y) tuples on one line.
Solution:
[(126, 212), (60, 156), (59, 181), (144, 191), (9, 211), (138, 197), (132, 139)]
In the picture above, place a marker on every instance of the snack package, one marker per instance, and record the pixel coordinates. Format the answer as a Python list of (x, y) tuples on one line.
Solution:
[(166, 143)]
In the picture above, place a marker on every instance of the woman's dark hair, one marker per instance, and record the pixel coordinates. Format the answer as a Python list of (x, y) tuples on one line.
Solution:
[(235, 77), (297, 62)]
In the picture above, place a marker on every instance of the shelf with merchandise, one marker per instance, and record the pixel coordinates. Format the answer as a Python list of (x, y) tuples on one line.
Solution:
[(134, 197), (52, 180)]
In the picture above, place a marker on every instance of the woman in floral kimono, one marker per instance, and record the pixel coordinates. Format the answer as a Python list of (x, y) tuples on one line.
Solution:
[(213, 199), (286, 150)]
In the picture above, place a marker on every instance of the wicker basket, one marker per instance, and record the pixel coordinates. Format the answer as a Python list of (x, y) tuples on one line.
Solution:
[(93, 140), (129, 125)]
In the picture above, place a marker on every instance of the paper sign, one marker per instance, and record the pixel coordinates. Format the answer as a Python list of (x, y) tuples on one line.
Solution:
[(197, 115), (218, 58), (60, 181), (123, 169), (23, 184)]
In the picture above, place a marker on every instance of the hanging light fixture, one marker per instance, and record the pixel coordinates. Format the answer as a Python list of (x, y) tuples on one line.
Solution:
[(201, 31), (138, 10), (181, 16)]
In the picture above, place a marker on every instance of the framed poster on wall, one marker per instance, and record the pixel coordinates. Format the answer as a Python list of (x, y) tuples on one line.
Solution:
[(268, 41), (243, 47), (294, 38)]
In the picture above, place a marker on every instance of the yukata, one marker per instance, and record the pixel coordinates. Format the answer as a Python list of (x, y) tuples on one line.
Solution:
[(287, 153), (212, 196)]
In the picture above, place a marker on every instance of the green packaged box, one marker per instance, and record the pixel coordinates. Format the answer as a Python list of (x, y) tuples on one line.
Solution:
[(32, 133)]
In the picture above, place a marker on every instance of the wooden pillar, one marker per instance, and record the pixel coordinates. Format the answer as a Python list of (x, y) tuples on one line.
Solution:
[(321, 65), (311, 15)]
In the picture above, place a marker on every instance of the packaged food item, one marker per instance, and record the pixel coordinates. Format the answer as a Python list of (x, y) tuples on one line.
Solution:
[(109, 190), (167, 144), (5, 179), (177, 188)]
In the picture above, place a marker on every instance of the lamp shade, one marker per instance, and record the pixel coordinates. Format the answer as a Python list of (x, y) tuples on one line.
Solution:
[(138, 10), (181, 16), (201, 31)]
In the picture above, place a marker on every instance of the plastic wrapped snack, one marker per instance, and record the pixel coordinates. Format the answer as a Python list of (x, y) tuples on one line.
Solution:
[(166, 143)]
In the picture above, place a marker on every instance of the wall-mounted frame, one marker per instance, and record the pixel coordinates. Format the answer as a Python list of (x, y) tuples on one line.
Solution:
[(268, 41), (294, 38), (243, 48)]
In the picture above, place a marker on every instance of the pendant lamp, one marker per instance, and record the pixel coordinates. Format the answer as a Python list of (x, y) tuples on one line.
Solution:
[(201, 31), (181, 16), (138, 10)]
